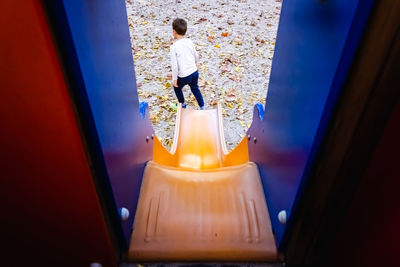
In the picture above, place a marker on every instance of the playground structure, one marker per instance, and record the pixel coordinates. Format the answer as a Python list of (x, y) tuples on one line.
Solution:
[(199, 202), (78, 148)]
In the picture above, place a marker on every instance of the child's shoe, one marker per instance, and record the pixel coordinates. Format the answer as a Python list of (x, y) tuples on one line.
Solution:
[(202, 108), (183, 105)]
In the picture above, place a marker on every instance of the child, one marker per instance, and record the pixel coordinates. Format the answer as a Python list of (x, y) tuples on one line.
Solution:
[(184, 61)]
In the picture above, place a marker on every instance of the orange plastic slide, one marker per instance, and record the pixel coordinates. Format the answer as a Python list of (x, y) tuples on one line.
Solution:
[(200, 203)]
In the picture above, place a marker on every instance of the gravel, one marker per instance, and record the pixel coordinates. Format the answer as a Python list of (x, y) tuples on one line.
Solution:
[(235, 41)]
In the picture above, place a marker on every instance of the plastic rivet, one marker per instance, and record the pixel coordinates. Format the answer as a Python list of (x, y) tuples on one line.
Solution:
[(282, 216), (123, 213)]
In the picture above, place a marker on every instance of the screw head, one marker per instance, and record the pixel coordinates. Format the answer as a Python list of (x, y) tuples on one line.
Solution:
[(282, 216), (255, 140), (147, 138), (123, 213), (248, 137), (152, 136)]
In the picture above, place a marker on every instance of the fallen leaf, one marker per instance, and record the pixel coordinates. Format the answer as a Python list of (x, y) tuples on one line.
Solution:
[(153, 118), (259, 40), (224, 68), (213, 102), (233, 78), (225, 34), (231, 92)]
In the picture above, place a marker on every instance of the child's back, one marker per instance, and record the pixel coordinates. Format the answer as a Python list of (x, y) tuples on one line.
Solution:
[(186, 58)]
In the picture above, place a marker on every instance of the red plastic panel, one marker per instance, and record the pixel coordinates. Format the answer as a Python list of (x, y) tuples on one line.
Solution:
[(50, 211)]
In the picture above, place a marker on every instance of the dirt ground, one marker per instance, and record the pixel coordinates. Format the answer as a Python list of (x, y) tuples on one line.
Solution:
[(235, 41)]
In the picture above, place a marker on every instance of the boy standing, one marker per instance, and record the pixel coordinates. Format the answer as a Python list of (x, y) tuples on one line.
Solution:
[(184, 59)]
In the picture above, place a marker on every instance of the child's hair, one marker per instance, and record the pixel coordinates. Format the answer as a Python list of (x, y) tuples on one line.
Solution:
[(180, 26)]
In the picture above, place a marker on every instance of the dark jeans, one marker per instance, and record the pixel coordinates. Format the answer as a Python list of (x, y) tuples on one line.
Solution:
[(191, 80)]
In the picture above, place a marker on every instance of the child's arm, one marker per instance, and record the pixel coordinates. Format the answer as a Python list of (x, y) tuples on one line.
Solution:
[(174, 66), (196, 57)]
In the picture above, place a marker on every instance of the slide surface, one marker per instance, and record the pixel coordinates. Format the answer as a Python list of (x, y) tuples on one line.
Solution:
[(198, 202)]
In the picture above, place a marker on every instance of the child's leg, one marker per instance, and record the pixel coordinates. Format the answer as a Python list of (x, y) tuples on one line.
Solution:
[(178, 91), (195, 89)]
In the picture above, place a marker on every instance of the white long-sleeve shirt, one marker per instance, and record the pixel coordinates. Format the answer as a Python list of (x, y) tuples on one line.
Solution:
[(183, 58)]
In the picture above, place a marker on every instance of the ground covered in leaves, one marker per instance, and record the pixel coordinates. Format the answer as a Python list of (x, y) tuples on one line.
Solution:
[(235, 41)]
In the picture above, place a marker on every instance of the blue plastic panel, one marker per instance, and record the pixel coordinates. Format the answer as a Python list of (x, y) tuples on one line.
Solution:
[(101, 42), (315, 46)]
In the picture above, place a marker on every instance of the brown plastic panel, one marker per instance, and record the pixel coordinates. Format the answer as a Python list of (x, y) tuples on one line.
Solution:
[(212, 214)]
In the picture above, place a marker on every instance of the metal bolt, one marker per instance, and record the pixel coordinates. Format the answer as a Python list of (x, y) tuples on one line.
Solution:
[(123, 213), (255, 140), (152, 136), (147, 139), (282, 216), (248, 137)]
